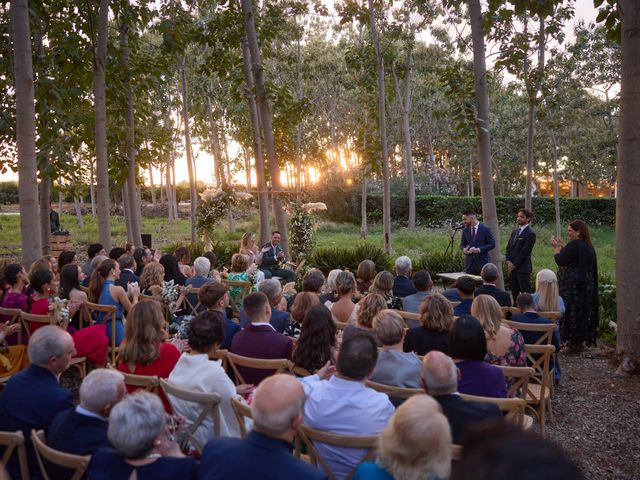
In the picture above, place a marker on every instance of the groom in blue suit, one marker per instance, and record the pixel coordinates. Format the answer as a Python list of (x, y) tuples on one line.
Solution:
[(477, 241)]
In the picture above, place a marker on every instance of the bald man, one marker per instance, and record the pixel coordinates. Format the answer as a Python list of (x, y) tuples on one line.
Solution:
[(439, 377), (265, 453)]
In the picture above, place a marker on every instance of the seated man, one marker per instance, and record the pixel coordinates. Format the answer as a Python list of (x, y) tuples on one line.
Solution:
[(215, 296), (344, 405), (489, 274), (465, 286), (33, 397), (272, 257), (84, 429), (93, 250), (259, 339), (127, 271), (423, 285), (280, 320), (440, 380), (402, 285), (265, 453)]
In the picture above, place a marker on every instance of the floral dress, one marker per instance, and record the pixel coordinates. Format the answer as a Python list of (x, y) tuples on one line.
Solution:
[(515, 355), (236, 294)]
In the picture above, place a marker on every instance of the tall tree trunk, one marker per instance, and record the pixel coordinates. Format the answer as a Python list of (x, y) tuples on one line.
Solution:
[(99, 92), (79, 218), (92, 193), (227, 179), (263, 194), (386, 191), (153, 187), (489, 213), (31, 239), (174, 189), (187, 146), (161, 170), (126, 206), (247, 167), (627, 211), (363, 203), (44, 188), (169, 192), (215, 144), (556, 195), (265, 121), (299, 124)]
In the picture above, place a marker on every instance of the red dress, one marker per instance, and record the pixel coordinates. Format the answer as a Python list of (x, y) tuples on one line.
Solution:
[(161, 367)]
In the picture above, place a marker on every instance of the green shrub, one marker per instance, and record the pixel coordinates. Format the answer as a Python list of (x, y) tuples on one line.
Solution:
[(608, 307), (9, 193), (327, 259)]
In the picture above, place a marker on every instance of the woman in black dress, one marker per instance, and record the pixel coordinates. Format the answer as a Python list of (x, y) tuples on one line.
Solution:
[(578, 282)]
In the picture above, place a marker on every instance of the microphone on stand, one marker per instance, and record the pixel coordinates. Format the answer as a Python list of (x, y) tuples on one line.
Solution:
[(459, 226)]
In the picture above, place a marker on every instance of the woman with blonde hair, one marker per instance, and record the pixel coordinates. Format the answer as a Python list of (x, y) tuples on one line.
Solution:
[(249, 248), (344, 310), (241, 271), (505, 346), (302, 303), (416, 445), (383, 285), (368, 308), (330, 287), (436, 317), (152, 279), (547, 297)]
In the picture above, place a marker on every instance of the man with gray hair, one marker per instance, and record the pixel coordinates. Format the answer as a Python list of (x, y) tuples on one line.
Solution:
[(402, 285), (83, 430), (34, 396), (439, 378), (265, 453), (489, 274), (280, 320)]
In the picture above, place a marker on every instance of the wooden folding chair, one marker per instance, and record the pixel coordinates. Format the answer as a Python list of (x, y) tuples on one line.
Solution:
[(544, 329), (518, 379), (14, 317), (277, 365), (192, 308), (308, 436), (340, 325), (409, 317), (14, 441), (297, 370), (222, 356), (242, 411), (92, 312), (513, 409), (148, 383), (508, 311), (400, 393), (538, 393), (456, 452), (245, 289), (209, 402), (77, 463)]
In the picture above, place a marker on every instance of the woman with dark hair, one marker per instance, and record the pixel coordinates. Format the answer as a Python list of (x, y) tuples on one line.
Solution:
[(12, 289), (578, 283), (172, 270), (468, 348), (70, 278), (200, 371), (302, 302), (183, 256), (317, 342), (13, 357), (65, 258), (43, 285), (364, 276), (215, 297)]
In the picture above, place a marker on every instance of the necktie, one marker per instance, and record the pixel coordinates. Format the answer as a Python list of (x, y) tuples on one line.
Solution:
[(473, 233)]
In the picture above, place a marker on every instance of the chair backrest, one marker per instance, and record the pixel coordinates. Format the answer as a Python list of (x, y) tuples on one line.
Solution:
[(513, 408), (545, 329), (340, 325), (209, 403), (395, 392), (297, 370), (518, 379), (308, 436), (149, 383), (14, 317), (15, 441), (508, 311), (456, 452), (539, 359), (28, 318), (89, 311), (191, 302), (414, 317), (78, 463), (278, 365), (242, 411)]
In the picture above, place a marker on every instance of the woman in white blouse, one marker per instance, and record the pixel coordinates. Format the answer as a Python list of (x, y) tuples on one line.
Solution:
[(198, 371)]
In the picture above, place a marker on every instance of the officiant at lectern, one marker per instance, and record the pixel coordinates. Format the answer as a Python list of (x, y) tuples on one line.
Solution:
[(476, 243)]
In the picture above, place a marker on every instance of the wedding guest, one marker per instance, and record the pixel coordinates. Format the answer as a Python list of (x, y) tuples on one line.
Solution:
[(422, 283), (383, 285), (183, 256), (344, 310), (215, 296), (436, 317), (331, 295), (466, 286), (152, 279), (369, 307), (93, 250), (402, 285), (317, 342), (65, 258), (547, 297), (364, 276), (172, 270)]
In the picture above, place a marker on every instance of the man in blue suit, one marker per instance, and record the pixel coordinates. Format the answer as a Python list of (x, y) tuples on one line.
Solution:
[(477, 241), (272, 257), (127, 269), (265, 453), (33, 397), (279, 320)]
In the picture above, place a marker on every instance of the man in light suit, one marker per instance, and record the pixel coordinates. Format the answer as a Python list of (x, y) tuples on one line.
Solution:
[(272, 256), (439, 378), (518, 254), (477, 241), (33, 397)]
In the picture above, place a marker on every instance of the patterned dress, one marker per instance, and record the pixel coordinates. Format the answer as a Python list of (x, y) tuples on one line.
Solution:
[(515, 355)]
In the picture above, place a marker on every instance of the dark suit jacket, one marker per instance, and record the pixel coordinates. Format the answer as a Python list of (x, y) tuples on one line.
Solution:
[(260, 341), (402, 287), (519, 249), (270, 258), (532, 337), (31, 399), (462, 413), (503, 298), (79, 434), (126, 277), (279, 320), (483, 240), (256, 457), (463, 308)]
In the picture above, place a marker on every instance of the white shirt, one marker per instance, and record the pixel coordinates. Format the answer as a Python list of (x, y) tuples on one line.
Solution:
[(345, 407), (87, 413), (199, 374), (261, 324), (522, 229)]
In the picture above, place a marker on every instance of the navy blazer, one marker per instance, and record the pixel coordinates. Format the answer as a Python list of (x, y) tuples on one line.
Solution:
[(503, 298), (270, 259), (403, 287), (279, 320), (531, 338), (483, 240), (73, 432), (30, 400), (462, 413), (126, 277), (256, 457)]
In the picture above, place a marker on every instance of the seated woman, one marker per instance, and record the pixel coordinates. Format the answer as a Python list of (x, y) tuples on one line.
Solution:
[(65, 258), (152, 279), (13, 295), (71, 277), (547, 297), (394, 367), (43, 287), (505, 346), (415, 444), (199, 371), (102, 290), (249, 248), (146, 351), (344, 310), (383, 285), (368, 308), (172, 270), (13, 358), (330, 293), (468, 348), (183, 256), (436, 317), (317, 343), (241, 271), (364, 276), (141, 445), (215, 296), (301, 305)]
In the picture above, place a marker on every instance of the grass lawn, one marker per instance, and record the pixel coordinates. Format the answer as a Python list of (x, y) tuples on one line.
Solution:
[(330, 234)]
